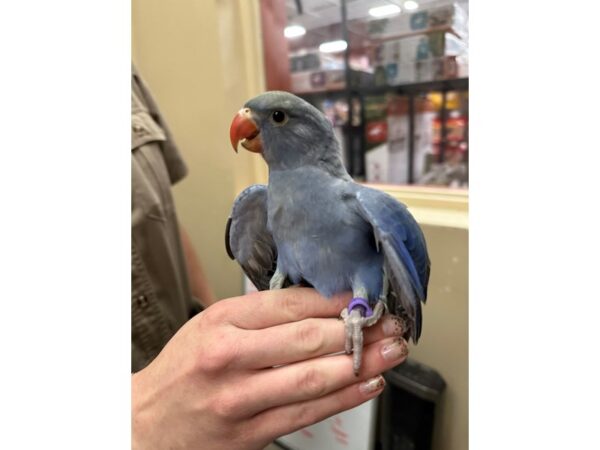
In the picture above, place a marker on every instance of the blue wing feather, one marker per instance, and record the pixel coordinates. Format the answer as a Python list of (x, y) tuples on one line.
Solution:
[(405, 252)]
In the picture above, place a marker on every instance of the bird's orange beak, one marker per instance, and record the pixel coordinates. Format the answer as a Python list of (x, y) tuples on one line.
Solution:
[(244, 129)]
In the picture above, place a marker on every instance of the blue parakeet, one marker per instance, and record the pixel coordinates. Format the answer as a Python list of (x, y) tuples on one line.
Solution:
[(314, 225)]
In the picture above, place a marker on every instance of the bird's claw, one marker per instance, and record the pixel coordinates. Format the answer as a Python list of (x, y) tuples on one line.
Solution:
[(277, 281), (354, 323)]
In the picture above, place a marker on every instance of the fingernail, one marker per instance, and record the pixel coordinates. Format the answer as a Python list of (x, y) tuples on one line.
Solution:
[(396, 350), (392, 326), (372, 385)]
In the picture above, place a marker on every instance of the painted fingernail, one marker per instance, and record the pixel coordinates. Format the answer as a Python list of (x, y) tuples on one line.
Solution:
[(396, 350), (392, 326), (372, 385)]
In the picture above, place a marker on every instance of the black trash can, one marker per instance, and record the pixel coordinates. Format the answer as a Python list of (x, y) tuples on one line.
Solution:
[(407, 407)]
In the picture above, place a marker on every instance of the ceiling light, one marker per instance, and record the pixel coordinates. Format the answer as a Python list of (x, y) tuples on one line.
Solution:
[(410, 5), (333, 46), (384, 10), (294, 31)]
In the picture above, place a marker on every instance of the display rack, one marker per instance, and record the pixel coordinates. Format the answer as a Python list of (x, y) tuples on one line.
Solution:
[(356, 156), (354, 135)]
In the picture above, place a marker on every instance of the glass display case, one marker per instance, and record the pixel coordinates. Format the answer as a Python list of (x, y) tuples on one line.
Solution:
[(392, 76)]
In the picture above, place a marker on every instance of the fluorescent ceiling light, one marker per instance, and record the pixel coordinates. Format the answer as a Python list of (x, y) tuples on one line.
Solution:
[(333, 46), (384, 10), (294, 31), (410, 5)]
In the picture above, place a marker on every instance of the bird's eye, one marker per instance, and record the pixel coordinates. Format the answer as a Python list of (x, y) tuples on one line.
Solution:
[(278, 116)]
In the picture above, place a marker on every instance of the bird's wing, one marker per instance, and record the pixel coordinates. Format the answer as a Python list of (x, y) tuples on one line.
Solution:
[(401, 240), (247, 238)]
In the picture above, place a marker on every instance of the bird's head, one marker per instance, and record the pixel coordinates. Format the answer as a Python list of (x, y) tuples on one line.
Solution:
[(288, 131)]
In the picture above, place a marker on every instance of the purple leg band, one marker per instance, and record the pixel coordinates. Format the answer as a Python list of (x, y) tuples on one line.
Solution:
[(361, 303)]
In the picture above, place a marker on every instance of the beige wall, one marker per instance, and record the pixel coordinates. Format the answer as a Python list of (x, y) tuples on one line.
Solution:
[(444, 342), (202, 60)]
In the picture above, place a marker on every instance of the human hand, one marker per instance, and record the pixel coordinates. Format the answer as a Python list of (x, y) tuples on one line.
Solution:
[(249, 369)]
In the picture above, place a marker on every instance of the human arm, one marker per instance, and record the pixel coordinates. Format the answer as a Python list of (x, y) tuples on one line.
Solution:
[(248, 370)]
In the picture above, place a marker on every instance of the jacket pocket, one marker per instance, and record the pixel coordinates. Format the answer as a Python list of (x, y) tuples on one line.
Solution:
[(150, 182), (144, 130)]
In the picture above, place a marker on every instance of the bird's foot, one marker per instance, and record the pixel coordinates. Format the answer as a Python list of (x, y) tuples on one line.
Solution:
[(277, 280), (357, 316)]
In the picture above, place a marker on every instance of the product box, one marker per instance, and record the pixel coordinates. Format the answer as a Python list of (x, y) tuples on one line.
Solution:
[(438, 69), (361, 78), (396, 60), (419, 58), (302, 82), (452, 17), (414, 48), (462, 66), (424, 46), (455, 132), (396, 73), (304, 62), (389, 27), (424, 146), (398, 137), (380, 76), (322, 80), (377, 164), (335, 110), (389, 162), (398, 158), (335, 79), (375, 120), (444, 44)]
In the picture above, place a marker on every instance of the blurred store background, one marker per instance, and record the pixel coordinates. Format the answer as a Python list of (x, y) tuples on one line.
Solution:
[(391, 75)]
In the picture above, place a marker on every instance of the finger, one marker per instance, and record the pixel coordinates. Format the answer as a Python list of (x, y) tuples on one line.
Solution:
[(269, 308), (317, 377), (305, 339), (289, 418)]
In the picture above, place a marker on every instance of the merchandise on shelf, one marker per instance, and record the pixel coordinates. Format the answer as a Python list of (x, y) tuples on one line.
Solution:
[(417, 47), (424, 134), (313, 71), (398, 132), (451, 17), (389, 162), (451, 169), (376, 139), (327, 80), (419, 58), (312, 59), (375, 120), (441, 68), (377, 164), (304, 62), (335, 110)]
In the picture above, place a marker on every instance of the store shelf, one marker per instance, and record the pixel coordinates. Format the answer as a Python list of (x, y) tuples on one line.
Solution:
[(454, 84), (358, 103), (335, 93)]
